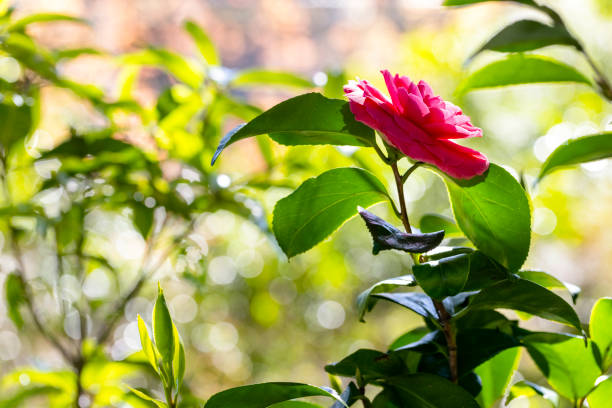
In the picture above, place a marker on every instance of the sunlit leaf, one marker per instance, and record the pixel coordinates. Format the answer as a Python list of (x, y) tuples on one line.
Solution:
[(600, 327), (519, 69), (22, 23), (141, 394), (430, 391), (309, 119), (496, 374), (436, 222), (203, 42), (163, 329), (580, 150), (175, 64), (366, 301), (15, 123), (493, 211), (147, 345), (266, 77), (265, 394), (600, 397), (321, 205), (15, 297), (445, 277), (550, 282)]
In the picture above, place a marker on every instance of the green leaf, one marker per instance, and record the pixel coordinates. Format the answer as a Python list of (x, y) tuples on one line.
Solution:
[(436, 222), (143, 218), (518, 69), (178, 362), (421, 304), (147, 345), (163, 329), (265, 394), (431, 391), (526, 35), (446, 277), (600, 397), (321, 205), (18, 398), (529, 297), (495, 375), (484, 271), (366, 301), (550, 282), (22, 23), (266, 77), (493, 211), (467, 2), (387, 236), (369, 365), (580, 150), (15, 124), (309, 119), (174, 63), (142, 395), (409, 337), (600, 327), (479, 345), (536, 395), (15, 297), (295, 404), (568, 365), (203, 42)]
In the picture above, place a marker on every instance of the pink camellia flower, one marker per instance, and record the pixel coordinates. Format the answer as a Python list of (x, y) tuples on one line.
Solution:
[(418, 123)]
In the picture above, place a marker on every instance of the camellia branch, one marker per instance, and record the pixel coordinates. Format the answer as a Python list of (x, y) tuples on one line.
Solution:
[(443, 315)]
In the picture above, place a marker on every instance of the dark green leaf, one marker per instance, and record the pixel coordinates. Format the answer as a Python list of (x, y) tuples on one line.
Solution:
[(308, 119), (264, 395), (431, 391), (475, 346), (143, 218), (446, 277), (526, 35), (580, 150), (203, 42), (435, 222), (600, 327), (521, 69), (409, 337), (386, 236), (296, 404), (366, 301), (496, 374), (371, 365), (422, 304), (15, 297), (529, 297), (15, 124), (321, 205), (265, 77), (550, 282), (493, 212), (163, 329), (484, 272), (568, 365)]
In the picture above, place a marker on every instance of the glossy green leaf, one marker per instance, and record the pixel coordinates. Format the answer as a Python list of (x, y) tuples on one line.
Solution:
[(175, 64), (147, 345), (15, 297), (479, 345), (265, 77), (431, 391), (22, 23), (309, 119), (496, 374), (600, 397), (536, 395), (484, 272), (519, 69), (265, 394), (446, 277), (178, 362), (409, 337), (422, 304), (366, 301), (15, 124), (493, 212), (568, 364), (600, 327), (436, 222), (295, 404), (580, 150), (526, 35), (321, 205), (203, 42), (387, 236), (370, 365), (550, 282), (163, 329), (529, 297)]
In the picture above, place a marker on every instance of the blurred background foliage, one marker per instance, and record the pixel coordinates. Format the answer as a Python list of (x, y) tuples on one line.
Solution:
[(108, 125)]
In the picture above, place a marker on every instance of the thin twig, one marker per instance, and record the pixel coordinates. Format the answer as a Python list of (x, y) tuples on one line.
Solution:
[(449, 335), (400, 192)]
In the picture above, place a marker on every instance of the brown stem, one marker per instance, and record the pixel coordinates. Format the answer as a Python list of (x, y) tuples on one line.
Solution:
[(402, 200), (449, 335)]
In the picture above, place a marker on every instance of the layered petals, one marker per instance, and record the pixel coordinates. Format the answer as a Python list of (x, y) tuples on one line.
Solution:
[(418, 123)]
